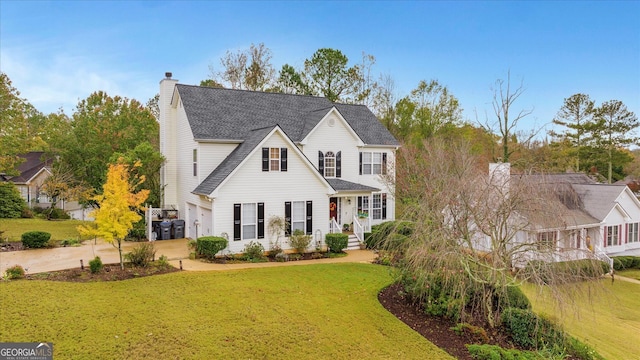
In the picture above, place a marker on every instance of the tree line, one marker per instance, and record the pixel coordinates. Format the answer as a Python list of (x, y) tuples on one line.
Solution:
[(591, 138)]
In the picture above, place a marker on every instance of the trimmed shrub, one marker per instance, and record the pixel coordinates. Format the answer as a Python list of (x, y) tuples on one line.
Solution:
[(337, 242), (15, 272), (299, 241), (531, 331), (35, 239), (57, 214), (209, 246), (513, 298), (254, 252), (11, 203), (141, 255), (95, 265), (626, 262)]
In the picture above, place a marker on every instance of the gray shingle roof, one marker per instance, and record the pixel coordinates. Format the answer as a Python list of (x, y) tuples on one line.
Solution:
[(216, 113), (217, 176), (599, 199), (343, 185)]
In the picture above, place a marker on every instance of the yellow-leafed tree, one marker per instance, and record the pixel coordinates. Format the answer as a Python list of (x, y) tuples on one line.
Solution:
[(119, 206)]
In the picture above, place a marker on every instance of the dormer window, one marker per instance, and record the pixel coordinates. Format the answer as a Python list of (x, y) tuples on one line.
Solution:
[(330, 164)]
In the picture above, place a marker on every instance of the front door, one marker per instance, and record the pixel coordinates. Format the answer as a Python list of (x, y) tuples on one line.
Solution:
[(333, 208)]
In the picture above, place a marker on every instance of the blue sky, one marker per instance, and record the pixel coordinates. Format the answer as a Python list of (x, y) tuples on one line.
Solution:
[(57, 53)]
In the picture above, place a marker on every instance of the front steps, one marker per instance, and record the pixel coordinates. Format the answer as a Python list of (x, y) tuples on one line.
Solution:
[(353, 243)]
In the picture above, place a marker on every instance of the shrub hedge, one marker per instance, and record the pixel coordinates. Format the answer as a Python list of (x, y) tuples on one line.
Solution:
[(567, 271), (531, 331), (337, 242), (35, 239), (626, 262), (381, 232), (209, 246)]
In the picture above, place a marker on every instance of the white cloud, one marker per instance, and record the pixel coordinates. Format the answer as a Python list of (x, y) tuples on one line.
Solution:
[(51, 81)]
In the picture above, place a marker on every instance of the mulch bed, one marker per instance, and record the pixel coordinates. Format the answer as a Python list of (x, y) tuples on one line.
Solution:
[(435, 329), (111, 272), (11, 246)]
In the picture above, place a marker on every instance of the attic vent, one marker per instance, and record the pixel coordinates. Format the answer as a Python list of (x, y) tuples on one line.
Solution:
[(331, 121)]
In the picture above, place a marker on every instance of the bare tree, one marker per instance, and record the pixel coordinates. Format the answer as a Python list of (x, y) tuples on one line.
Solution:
[(504, 97), (473, 229), (249, 69)]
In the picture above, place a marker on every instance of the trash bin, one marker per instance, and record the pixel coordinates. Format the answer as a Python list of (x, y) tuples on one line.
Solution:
[(178, 229), (165, 230), (155, 226)]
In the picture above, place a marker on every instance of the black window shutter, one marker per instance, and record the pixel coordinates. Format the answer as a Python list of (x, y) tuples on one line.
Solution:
[(321, 162), (339, 164), (309, 217), (283, 159), (236, 221), (360, 163), (287, 218), (384, 163), (384, 206), (359, 204), (265, 159), (260, 220)]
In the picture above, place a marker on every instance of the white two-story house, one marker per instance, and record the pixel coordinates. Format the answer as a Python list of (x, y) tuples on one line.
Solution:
[(236, 158)]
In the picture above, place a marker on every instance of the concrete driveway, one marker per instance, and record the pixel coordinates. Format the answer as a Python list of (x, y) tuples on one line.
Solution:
[(43, 260)]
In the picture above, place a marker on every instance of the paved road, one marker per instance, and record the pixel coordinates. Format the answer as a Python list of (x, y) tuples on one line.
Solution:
[(43, 260)]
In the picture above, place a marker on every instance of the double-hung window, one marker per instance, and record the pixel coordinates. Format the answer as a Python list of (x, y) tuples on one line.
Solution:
[(298, 216), (613, 235), (632, 232), (248, 221), (373, 163), (195, 162), (274, 159)]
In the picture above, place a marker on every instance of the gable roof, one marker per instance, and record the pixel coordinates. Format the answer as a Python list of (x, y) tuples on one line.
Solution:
[(345, 186), (32, 165), (239, 154), (228, 114), (599, 199)]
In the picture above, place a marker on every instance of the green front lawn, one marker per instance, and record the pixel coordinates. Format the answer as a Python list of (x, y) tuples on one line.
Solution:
[(633, 273), (327, 311), (59, 229), (608, 319)]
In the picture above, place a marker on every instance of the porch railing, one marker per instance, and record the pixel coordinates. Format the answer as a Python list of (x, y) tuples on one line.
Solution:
[(334, 227), (600, 254), (358, 229)]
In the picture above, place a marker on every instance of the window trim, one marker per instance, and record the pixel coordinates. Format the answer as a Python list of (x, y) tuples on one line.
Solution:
[(239, 224), (547, 240), (372, 162), (633, 232), (329, 157), (612, 235)]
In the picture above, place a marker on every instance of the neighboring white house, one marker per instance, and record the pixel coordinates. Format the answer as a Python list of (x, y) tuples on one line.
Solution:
[(598, 220), (235, 158)]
